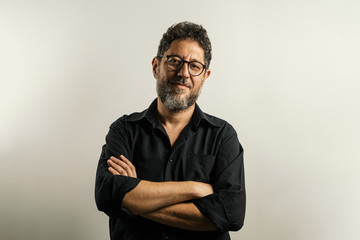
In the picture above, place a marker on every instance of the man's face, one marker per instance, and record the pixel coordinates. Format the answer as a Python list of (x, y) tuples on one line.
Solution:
[(179, 90)]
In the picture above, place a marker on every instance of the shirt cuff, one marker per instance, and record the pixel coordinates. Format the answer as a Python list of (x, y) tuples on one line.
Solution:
[(212, 207), (121, 186)]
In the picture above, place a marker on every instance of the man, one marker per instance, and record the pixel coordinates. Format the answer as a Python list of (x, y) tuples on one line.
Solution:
[(172, 171)]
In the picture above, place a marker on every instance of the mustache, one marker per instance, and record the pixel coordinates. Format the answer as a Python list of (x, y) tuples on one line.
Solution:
[(181, 81)]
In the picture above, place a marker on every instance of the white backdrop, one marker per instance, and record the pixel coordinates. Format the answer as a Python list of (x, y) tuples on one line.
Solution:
[(285, 74)]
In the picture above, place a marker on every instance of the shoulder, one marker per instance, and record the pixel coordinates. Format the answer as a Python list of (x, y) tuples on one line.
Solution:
[(223, 134), (127, 119), (225, 126), (224, 130), (212, 121), (138, 117)]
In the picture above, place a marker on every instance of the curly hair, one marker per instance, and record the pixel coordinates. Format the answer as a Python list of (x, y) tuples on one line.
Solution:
[(186, 30)]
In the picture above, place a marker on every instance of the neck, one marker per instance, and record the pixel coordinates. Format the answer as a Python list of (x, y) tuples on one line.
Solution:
[(168, 118)]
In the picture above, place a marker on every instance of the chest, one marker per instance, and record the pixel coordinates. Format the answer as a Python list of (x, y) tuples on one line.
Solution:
[(175, 156)]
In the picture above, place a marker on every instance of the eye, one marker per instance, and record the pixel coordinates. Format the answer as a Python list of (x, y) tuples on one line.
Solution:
[(174, 61), (196, 66)]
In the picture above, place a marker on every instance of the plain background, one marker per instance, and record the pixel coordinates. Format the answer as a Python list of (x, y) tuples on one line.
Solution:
[(285, 74)]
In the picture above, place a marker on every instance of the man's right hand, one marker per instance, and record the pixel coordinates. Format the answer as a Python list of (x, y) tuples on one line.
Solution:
[(202, 189), (149, 196)]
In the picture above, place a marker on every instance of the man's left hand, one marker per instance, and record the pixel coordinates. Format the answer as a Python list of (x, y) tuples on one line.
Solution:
[(121, 166)]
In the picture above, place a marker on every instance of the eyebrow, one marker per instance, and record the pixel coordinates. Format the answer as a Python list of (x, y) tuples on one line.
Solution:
[(191, 60)]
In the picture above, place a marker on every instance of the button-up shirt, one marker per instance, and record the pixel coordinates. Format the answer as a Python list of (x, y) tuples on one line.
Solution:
[(207, 150)]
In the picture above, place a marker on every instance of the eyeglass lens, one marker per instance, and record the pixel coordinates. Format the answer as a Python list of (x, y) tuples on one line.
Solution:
[(175, 63)]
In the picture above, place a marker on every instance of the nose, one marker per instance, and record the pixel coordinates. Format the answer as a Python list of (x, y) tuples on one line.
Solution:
[(184, 71)]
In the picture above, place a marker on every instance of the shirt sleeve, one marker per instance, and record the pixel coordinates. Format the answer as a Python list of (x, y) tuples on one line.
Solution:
[(109, 189), (226, 206)]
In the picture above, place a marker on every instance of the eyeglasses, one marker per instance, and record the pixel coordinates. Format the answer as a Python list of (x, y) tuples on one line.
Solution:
[(175, 63)]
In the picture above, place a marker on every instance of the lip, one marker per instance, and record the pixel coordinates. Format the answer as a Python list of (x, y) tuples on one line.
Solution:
[(179, 85)]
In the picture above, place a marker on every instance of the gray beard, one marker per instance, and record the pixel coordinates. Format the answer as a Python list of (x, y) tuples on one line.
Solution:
[(172, 101)]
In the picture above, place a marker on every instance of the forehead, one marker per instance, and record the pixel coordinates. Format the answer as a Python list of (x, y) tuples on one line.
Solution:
[(187, 49)]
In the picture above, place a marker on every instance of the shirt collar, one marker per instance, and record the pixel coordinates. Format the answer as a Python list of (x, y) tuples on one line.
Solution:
[(198, 116), (149, 114)]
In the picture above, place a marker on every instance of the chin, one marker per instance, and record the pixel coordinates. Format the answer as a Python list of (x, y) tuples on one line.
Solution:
[(181, 97)]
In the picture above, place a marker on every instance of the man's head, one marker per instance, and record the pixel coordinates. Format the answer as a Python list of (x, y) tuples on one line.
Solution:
[(181, 65), (186, 30)]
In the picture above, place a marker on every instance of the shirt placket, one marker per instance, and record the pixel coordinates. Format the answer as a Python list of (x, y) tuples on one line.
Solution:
[(168, 169), (169, 173), (165, 236)]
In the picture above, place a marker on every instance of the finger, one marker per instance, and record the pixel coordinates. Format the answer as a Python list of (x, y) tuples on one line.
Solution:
[(117, 168), (113, 171), (123, 166), (131, 166)]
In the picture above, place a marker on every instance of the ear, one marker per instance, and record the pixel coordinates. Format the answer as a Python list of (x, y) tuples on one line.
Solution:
[(206, 75), (155, 67)]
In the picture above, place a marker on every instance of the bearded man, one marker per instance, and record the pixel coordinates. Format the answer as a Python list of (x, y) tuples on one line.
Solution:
[(173, 171)]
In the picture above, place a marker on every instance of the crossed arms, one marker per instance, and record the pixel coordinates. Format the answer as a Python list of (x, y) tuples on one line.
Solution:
[(186, 205), (164, 202)]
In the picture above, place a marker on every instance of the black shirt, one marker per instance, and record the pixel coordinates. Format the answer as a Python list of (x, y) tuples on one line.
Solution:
[(207, 150)]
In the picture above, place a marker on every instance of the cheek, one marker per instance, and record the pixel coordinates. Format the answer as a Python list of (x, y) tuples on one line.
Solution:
[(198, 83), (157, 74)]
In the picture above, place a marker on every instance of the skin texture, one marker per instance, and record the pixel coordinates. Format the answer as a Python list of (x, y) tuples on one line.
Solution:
[(166, 202)]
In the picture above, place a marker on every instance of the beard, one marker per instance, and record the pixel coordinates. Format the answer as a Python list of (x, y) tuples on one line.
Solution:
[(172, 98)]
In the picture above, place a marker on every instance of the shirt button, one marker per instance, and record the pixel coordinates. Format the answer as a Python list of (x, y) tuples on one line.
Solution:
[(170, 160)]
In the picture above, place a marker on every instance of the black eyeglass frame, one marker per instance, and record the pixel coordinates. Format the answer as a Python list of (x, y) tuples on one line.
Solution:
[(183, 62)]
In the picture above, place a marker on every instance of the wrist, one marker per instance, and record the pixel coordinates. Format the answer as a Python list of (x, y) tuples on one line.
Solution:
[(201, 189)]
